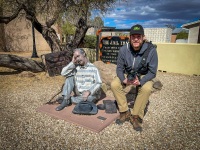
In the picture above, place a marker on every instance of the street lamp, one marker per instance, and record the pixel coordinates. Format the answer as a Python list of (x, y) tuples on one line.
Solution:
[(34, 53)]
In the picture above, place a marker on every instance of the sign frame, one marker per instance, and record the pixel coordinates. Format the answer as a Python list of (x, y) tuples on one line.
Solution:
[(107, 47)]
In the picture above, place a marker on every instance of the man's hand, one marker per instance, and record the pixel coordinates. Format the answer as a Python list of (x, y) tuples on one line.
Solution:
[(135, 82), (85, 95), (127, 82), (74, 60)]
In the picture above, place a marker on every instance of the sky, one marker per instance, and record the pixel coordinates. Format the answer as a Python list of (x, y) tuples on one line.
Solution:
[(152, 13)]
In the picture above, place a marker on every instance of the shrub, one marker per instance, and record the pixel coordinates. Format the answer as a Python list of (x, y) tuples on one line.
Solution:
[(89, 41), (182, 35)]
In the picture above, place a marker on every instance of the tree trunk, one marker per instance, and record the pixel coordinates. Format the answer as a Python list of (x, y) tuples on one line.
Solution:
[(49, 34), (21, 63), (81, 29)]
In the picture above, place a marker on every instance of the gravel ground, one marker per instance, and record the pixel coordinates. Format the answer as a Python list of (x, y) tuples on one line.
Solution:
[(172, 120)]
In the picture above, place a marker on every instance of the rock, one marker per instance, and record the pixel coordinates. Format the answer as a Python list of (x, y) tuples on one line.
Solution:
[(104, 87), (157, 84), (107, 72)]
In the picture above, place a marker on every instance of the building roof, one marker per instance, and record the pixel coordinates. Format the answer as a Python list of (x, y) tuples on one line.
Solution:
[(191, 24), (178, 30), (107, 27)]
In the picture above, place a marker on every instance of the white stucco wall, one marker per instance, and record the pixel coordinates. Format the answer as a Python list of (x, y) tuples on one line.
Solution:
[(193, 35)]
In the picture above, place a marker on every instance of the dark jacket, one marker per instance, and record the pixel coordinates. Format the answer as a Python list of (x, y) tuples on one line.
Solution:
[(129, 59)]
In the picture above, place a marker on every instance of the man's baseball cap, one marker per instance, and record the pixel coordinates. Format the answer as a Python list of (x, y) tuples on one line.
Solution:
[(137, 29)]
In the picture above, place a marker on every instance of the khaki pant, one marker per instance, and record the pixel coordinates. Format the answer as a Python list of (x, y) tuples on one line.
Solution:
[(141, 99)]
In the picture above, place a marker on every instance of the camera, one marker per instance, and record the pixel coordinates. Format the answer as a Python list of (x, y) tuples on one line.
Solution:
[(131, 75)]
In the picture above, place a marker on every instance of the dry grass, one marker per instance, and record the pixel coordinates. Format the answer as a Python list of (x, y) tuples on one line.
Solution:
[(172, 120)]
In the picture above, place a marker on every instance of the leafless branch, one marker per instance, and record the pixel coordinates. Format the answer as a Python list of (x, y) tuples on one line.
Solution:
[(7, 19)]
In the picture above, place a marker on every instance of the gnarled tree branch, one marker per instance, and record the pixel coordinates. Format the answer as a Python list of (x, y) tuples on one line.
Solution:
[(7, 19), (21, 63)]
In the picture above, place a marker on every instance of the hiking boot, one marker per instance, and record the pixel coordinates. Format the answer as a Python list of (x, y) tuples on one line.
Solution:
[(65, 103), (140, 120), (124, 116), (135, 121)]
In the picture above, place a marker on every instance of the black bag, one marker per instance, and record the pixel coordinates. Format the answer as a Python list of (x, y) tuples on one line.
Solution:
[(85, 108), (109, 106)]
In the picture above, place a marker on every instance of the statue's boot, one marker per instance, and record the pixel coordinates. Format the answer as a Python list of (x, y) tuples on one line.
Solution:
[(65, 103)]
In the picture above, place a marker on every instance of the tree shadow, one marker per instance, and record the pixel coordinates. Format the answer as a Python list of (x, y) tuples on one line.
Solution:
[(103, 95), (10, 73)]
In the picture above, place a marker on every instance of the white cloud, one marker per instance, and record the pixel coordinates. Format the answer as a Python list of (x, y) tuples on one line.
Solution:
[(154, 13), (106, 23), (148, 9)]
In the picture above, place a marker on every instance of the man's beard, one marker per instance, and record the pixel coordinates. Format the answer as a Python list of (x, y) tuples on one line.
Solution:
[(136, 47)]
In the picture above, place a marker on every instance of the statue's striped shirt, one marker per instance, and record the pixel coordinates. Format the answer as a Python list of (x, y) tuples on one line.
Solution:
[(86, 77)]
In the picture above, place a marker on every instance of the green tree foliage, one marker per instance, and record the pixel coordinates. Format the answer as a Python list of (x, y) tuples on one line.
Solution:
[(89, 41), (98, 22), (68, 28), (182, 35)]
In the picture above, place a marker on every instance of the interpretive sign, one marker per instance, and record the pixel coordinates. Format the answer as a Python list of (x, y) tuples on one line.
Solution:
[(109, 48)]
